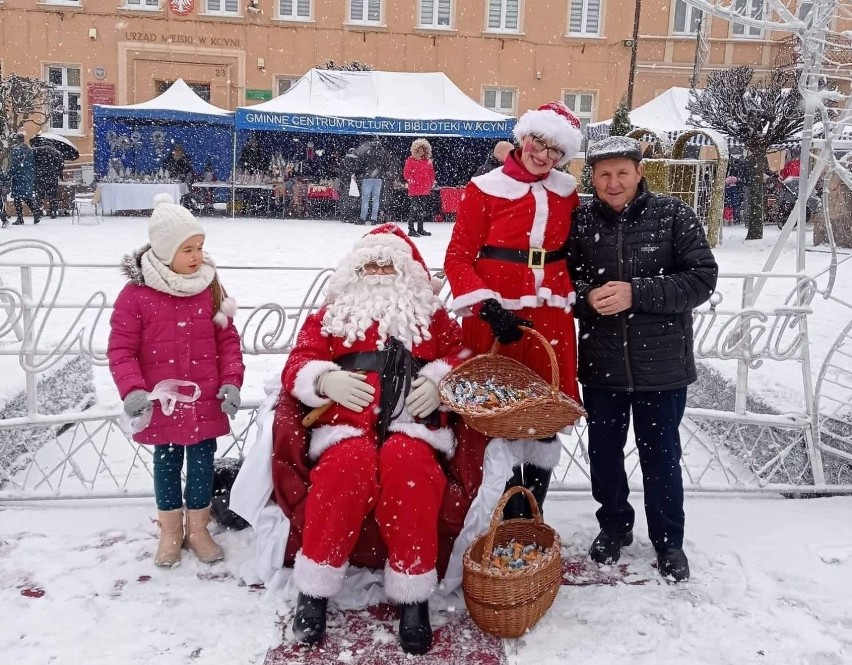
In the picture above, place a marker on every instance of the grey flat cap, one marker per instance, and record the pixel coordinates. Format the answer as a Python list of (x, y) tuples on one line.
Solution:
[(614, 147)]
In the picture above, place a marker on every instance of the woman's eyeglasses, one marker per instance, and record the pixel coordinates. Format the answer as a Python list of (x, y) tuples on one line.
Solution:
[(554, 153)]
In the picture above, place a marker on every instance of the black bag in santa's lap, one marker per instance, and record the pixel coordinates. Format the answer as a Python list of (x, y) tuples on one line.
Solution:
[(225, 470)]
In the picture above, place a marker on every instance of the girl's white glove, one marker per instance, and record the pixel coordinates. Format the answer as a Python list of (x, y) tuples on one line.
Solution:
[(348, 389), (423, 398)]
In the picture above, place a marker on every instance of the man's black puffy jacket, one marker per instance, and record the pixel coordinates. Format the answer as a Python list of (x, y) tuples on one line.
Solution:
[(658, 245)]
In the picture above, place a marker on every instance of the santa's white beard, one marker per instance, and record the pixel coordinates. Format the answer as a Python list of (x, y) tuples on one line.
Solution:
[(401, 310)]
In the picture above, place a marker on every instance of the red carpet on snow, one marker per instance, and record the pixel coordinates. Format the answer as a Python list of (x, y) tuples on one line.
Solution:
[(369, 636)]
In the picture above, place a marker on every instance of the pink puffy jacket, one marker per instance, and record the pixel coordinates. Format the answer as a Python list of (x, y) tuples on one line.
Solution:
[(156, 336)]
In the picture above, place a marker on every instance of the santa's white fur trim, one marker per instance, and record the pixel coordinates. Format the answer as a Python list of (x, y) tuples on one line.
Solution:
[(397, 247), (440, 439), (436, 370), (553, 128), (544, 455), (325, 436), (304, 387), (497, 183), (406, 588), (463, 303), (317, 579)]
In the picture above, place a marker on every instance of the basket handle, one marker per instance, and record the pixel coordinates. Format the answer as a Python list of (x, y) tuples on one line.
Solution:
[(497, 518), (551, 354)]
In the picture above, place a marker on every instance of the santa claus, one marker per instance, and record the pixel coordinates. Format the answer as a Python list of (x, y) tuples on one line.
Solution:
[(368, 363), (507, 268)]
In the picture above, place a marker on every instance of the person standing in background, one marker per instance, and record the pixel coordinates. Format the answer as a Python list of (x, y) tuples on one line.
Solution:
[(22, 179), (48, 171), (419, 173), (375, 164), (496, 158)]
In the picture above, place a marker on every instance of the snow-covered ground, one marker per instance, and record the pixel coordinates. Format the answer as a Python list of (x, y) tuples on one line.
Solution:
[(771, 577)]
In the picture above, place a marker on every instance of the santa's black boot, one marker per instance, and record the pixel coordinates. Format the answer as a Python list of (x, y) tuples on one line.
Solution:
[(537, 480), (518, 506), (309, 622), (415, 631)]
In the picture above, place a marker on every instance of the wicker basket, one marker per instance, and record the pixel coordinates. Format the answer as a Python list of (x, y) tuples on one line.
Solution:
[(541, 415), (509, 603)]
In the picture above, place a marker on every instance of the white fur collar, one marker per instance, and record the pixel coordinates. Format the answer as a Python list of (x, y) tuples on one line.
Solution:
[(496, 183)]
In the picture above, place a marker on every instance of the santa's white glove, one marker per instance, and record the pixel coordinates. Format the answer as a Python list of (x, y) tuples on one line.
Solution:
[(348, 389), (423, 398)]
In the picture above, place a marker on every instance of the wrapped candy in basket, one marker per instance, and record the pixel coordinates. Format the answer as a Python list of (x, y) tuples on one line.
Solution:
[(501, 397)]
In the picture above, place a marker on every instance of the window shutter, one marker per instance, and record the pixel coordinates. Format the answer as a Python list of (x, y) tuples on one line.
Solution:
[(444, 12), (427, 9), (285, 8), (494, 13), (232, 6), (576, 20), (511, 15), (356, 11), (303, 8), (374, 10), (214, 5), (593, 16)]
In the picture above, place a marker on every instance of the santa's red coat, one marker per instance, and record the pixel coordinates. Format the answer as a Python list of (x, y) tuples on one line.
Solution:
[(499, 211)]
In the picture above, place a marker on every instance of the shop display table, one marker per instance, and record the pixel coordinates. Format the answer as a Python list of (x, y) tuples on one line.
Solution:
[(136, 195)]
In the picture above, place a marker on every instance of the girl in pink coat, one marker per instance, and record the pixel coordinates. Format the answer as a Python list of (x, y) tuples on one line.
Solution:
[(173, 321)]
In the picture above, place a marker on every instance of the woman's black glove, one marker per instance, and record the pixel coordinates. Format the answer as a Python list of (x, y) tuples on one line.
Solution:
[(505, 324)]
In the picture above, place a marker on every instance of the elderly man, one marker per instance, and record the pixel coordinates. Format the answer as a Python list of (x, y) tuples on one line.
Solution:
[(640, 263), (496, 158)]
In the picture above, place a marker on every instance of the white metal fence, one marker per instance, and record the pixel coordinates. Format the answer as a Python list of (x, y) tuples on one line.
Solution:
[(55, 443)]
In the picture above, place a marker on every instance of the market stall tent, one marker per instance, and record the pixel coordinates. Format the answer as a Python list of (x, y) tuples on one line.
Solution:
[(666, 114), (383, 103), (142, 135)]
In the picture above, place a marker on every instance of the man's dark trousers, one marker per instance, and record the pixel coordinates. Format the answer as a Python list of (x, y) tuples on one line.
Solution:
[(656, 417)]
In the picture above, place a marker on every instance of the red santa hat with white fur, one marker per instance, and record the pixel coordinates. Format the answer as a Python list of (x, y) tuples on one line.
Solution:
[(556, 124), (390, 241)]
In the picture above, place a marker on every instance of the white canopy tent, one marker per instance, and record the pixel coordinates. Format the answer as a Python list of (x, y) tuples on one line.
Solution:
[(389, 103), (666, 114)]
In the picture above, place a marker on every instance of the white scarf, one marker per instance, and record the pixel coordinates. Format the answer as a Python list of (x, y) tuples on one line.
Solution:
[(159, 276)]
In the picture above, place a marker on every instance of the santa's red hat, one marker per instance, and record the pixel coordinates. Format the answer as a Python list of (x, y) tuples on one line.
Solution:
[(393, 239), (556, 124)]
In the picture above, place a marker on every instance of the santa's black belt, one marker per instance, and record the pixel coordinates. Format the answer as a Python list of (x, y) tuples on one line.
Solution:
[(366, 361), (534, 257)]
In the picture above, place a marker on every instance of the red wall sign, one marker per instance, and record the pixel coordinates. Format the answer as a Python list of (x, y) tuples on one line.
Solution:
[(100, 93), (181, 7)]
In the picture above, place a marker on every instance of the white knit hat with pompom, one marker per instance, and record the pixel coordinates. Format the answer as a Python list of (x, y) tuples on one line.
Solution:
[(170, 226)]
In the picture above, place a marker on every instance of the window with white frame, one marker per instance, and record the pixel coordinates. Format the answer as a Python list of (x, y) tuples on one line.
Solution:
[(294, 10), (504, 15), (582, 103), (501, 100), (584, 17), (436, 13), (805, 9), (752, 8), (365, 11), (223, 7), (67, 95), (142, 4), (686, 18), (284, 83), (70, 3)]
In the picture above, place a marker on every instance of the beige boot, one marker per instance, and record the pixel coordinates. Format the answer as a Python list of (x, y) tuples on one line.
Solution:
[(198, 538), (171, 538)]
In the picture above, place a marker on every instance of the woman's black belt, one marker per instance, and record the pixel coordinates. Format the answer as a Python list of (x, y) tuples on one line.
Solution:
[(534, 257)]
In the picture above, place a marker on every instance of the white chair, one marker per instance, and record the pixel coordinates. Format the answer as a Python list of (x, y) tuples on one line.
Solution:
[(84, 201), (87, 174)]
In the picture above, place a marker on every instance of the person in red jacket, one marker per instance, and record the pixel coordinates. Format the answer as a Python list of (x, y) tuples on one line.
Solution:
[(507, 268), (372, 356), (419, 173), (174, 321)]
